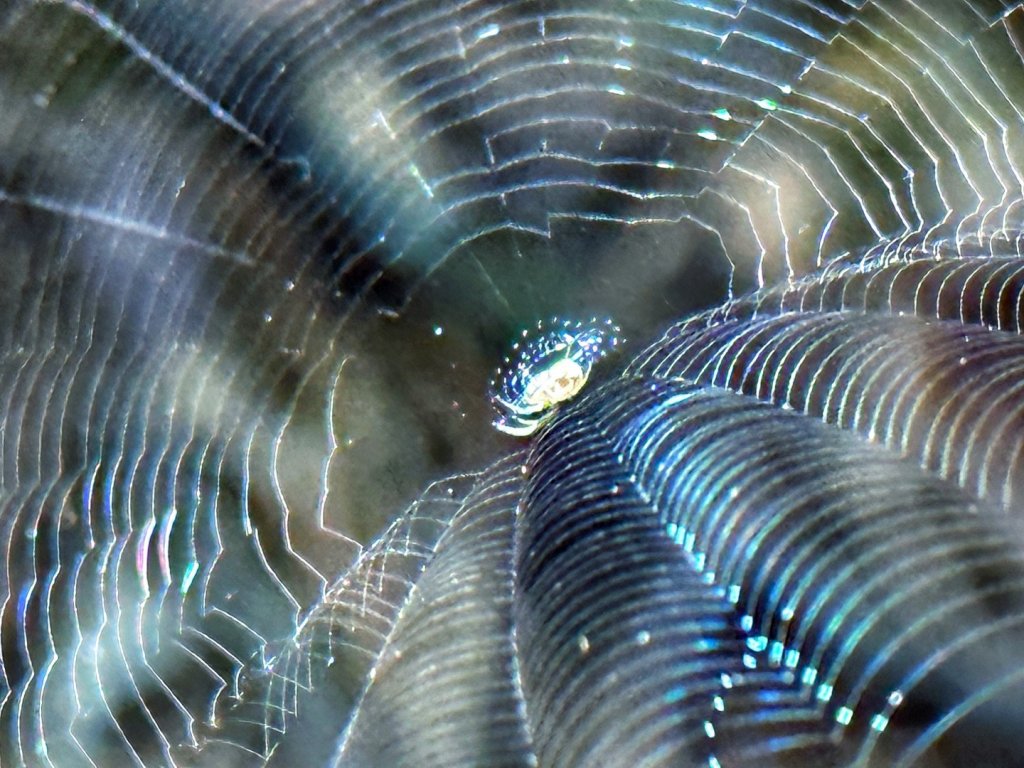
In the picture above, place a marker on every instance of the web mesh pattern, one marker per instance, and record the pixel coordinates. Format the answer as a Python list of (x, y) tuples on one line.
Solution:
[(258, 259)]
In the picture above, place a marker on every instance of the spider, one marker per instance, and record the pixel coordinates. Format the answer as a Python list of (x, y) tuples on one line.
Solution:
[(548, 367)]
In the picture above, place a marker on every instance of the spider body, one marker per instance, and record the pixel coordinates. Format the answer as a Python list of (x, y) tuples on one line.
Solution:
[(546, 367)]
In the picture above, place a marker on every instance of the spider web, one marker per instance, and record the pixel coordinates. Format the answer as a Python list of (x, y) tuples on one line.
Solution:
[(258, 259)]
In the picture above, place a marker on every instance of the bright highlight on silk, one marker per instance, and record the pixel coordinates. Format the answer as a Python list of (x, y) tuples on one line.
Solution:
[(548, 366)]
